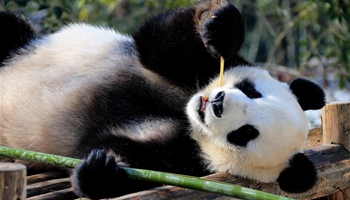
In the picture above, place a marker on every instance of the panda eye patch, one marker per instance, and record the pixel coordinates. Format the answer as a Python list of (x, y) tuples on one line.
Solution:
[(248, 89), (243, 135)]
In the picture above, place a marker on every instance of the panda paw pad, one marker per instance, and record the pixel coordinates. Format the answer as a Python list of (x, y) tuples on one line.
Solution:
[(223, 32)]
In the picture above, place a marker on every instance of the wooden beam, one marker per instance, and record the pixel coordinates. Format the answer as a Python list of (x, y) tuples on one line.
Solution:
[(46, 186), (336, 130), (336, 123), (332, 163), (12, 181)]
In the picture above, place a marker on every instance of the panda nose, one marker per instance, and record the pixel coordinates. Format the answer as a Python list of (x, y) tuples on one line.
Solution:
[(217, 104)]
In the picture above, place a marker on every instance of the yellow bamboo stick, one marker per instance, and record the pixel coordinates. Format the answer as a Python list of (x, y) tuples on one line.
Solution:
[(222, 63)]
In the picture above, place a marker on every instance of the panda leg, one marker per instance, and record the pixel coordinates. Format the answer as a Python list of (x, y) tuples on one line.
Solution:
[(184, 45)]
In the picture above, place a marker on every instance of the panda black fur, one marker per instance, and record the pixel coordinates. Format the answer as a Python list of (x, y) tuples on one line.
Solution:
[(141, 101)]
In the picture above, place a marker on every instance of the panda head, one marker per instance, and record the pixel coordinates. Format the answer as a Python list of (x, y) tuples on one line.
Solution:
[(254, 126)]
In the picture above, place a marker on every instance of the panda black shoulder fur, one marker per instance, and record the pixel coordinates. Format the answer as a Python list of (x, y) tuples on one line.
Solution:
[(152, 101)]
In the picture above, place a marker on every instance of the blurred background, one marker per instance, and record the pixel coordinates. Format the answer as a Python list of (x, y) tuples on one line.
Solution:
[(291, 38)]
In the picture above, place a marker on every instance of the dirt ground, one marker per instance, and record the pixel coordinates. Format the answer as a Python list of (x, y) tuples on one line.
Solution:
[(314, 138)]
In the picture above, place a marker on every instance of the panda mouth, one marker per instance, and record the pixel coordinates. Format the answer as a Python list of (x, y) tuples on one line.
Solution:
[(203, 102), (217, 105)]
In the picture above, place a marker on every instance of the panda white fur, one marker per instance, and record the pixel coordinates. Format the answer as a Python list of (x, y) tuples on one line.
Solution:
[(151, 100)]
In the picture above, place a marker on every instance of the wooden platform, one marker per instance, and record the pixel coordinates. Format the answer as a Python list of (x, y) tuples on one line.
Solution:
[(332, 163), (330, 160)]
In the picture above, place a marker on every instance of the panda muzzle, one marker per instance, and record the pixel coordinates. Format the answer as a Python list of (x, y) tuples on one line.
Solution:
[(217, 105)]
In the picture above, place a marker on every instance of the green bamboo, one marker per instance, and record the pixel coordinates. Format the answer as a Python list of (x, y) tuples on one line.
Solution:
[(59, 161), (149, 175)]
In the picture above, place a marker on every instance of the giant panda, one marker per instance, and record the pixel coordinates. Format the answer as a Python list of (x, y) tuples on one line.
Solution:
[(152, 100)]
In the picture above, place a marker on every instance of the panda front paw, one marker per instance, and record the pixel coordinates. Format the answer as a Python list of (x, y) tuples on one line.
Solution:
[(222, 31), (98, 176)]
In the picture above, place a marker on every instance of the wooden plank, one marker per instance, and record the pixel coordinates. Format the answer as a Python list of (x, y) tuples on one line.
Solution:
[(12, 181), (332, 163), (64, 194), (48, 186), (343, 194), (46, 176)]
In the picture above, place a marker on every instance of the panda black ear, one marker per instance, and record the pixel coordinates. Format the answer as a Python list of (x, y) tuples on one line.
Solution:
[(300, 176), (310, 95)]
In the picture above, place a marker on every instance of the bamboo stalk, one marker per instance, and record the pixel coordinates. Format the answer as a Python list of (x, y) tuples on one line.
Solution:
[(222, 64), (59, 161), (149, 175)]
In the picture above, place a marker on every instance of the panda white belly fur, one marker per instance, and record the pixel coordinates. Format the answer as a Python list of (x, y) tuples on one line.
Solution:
[(152, 101)]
